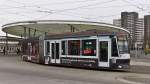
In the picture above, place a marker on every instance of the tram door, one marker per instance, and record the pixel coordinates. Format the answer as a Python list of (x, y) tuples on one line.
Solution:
[(55, 51), (104, 52)]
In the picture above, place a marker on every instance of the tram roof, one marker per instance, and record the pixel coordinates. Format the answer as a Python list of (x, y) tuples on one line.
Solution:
[(51, 27), (86, 33)]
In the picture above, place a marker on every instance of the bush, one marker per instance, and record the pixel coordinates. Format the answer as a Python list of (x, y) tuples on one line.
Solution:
[(147, 51)]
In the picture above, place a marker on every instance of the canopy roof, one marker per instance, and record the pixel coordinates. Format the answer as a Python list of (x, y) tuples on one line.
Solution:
[(5, 38), (50, 27)]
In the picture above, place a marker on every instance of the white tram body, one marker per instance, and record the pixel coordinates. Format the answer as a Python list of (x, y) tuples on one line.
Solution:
[(91, 49)]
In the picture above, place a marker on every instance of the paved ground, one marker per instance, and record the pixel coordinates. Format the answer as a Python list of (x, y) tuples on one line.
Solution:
[(140, 63), (14, 71)]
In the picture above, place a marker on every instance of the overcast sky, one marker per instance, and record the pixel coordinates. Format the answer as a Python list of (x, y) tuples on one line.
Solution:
[(91, 10)]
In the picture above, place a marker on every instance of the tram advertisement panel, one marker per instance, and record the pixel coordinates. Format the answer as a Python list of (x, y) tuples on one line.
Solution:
[(80, 62)]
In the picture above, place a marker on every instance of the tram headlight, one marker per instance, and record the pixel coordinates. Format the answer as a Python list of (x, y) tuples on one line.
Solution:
[(119, 66)]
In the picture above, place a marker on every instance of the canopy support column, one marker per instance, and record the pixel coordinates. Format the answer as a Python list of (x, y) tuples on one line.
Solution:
[(29, 32), (6, 48), (72, 28), (25, 32), (35, 32), (45, 33)]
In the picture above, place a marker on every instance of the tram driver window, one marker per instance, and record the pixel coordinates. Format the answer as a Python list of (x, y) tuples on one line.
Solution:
[(89, 47), (74, 47), (114, 48)]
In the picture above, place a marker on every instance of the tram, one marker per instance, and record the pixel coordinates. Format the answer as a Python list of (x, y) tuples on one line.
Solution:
[(91, 48)]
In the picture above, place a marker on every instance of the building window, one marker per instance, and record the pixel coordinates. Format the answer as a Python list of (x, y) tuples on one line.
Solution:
[(74, 47), (89, 47), (64, 47)]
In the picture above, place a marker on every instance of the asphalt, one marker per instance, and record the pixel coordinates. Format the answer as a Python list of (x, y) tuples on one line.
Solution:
[(15, 71), (139, 73), (140, 63)]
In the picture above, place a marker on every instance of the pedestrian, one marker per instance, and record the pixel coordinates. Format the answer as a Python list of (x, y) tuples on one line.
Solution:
[(18, 51), (4, 51)]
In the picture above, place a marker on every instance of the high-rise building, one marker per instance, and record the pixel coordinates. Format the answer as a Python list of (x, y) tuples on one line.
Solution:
[(147, 31), (128, 21), (139, 33), (117, 22)]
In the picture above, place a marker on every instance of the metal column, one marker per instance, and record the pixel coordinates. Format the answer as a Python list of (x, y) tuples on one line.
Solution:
[(6, 47), (25, 32), (29, 33)]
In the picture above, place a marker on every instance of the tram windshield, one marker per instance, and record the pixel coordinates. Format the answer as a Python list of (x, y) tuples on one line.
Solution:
[(123, 45)]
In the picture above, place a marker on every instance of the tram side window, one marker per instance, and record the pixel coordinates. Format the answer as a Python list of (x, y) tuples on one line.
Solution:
[(74, 47), (47, 48), (64, 47), (114, 48), (89, 47)]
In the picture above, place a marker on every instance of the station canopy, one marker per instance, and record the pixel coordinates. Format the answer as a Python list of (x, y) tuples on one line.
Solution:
[(50, 27)]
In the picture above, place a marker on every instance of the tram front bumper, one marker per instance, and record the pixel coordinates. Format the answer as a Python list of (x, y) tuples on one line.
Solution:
[(123, 66), (120, 64)]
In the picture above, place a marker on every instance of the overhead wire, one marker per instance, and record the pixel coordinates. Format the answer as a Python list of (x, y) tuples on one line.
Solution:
[(114, 6), (36, 6), (16, 2), (48, 11), (57, 3), (104, 16), (80, 7), (44, 9), (68, 2), (137, 6)]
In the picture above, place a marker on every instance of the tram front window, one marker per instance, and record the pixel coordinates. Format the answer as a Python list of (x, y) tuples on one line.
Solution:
[(123, 46)]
